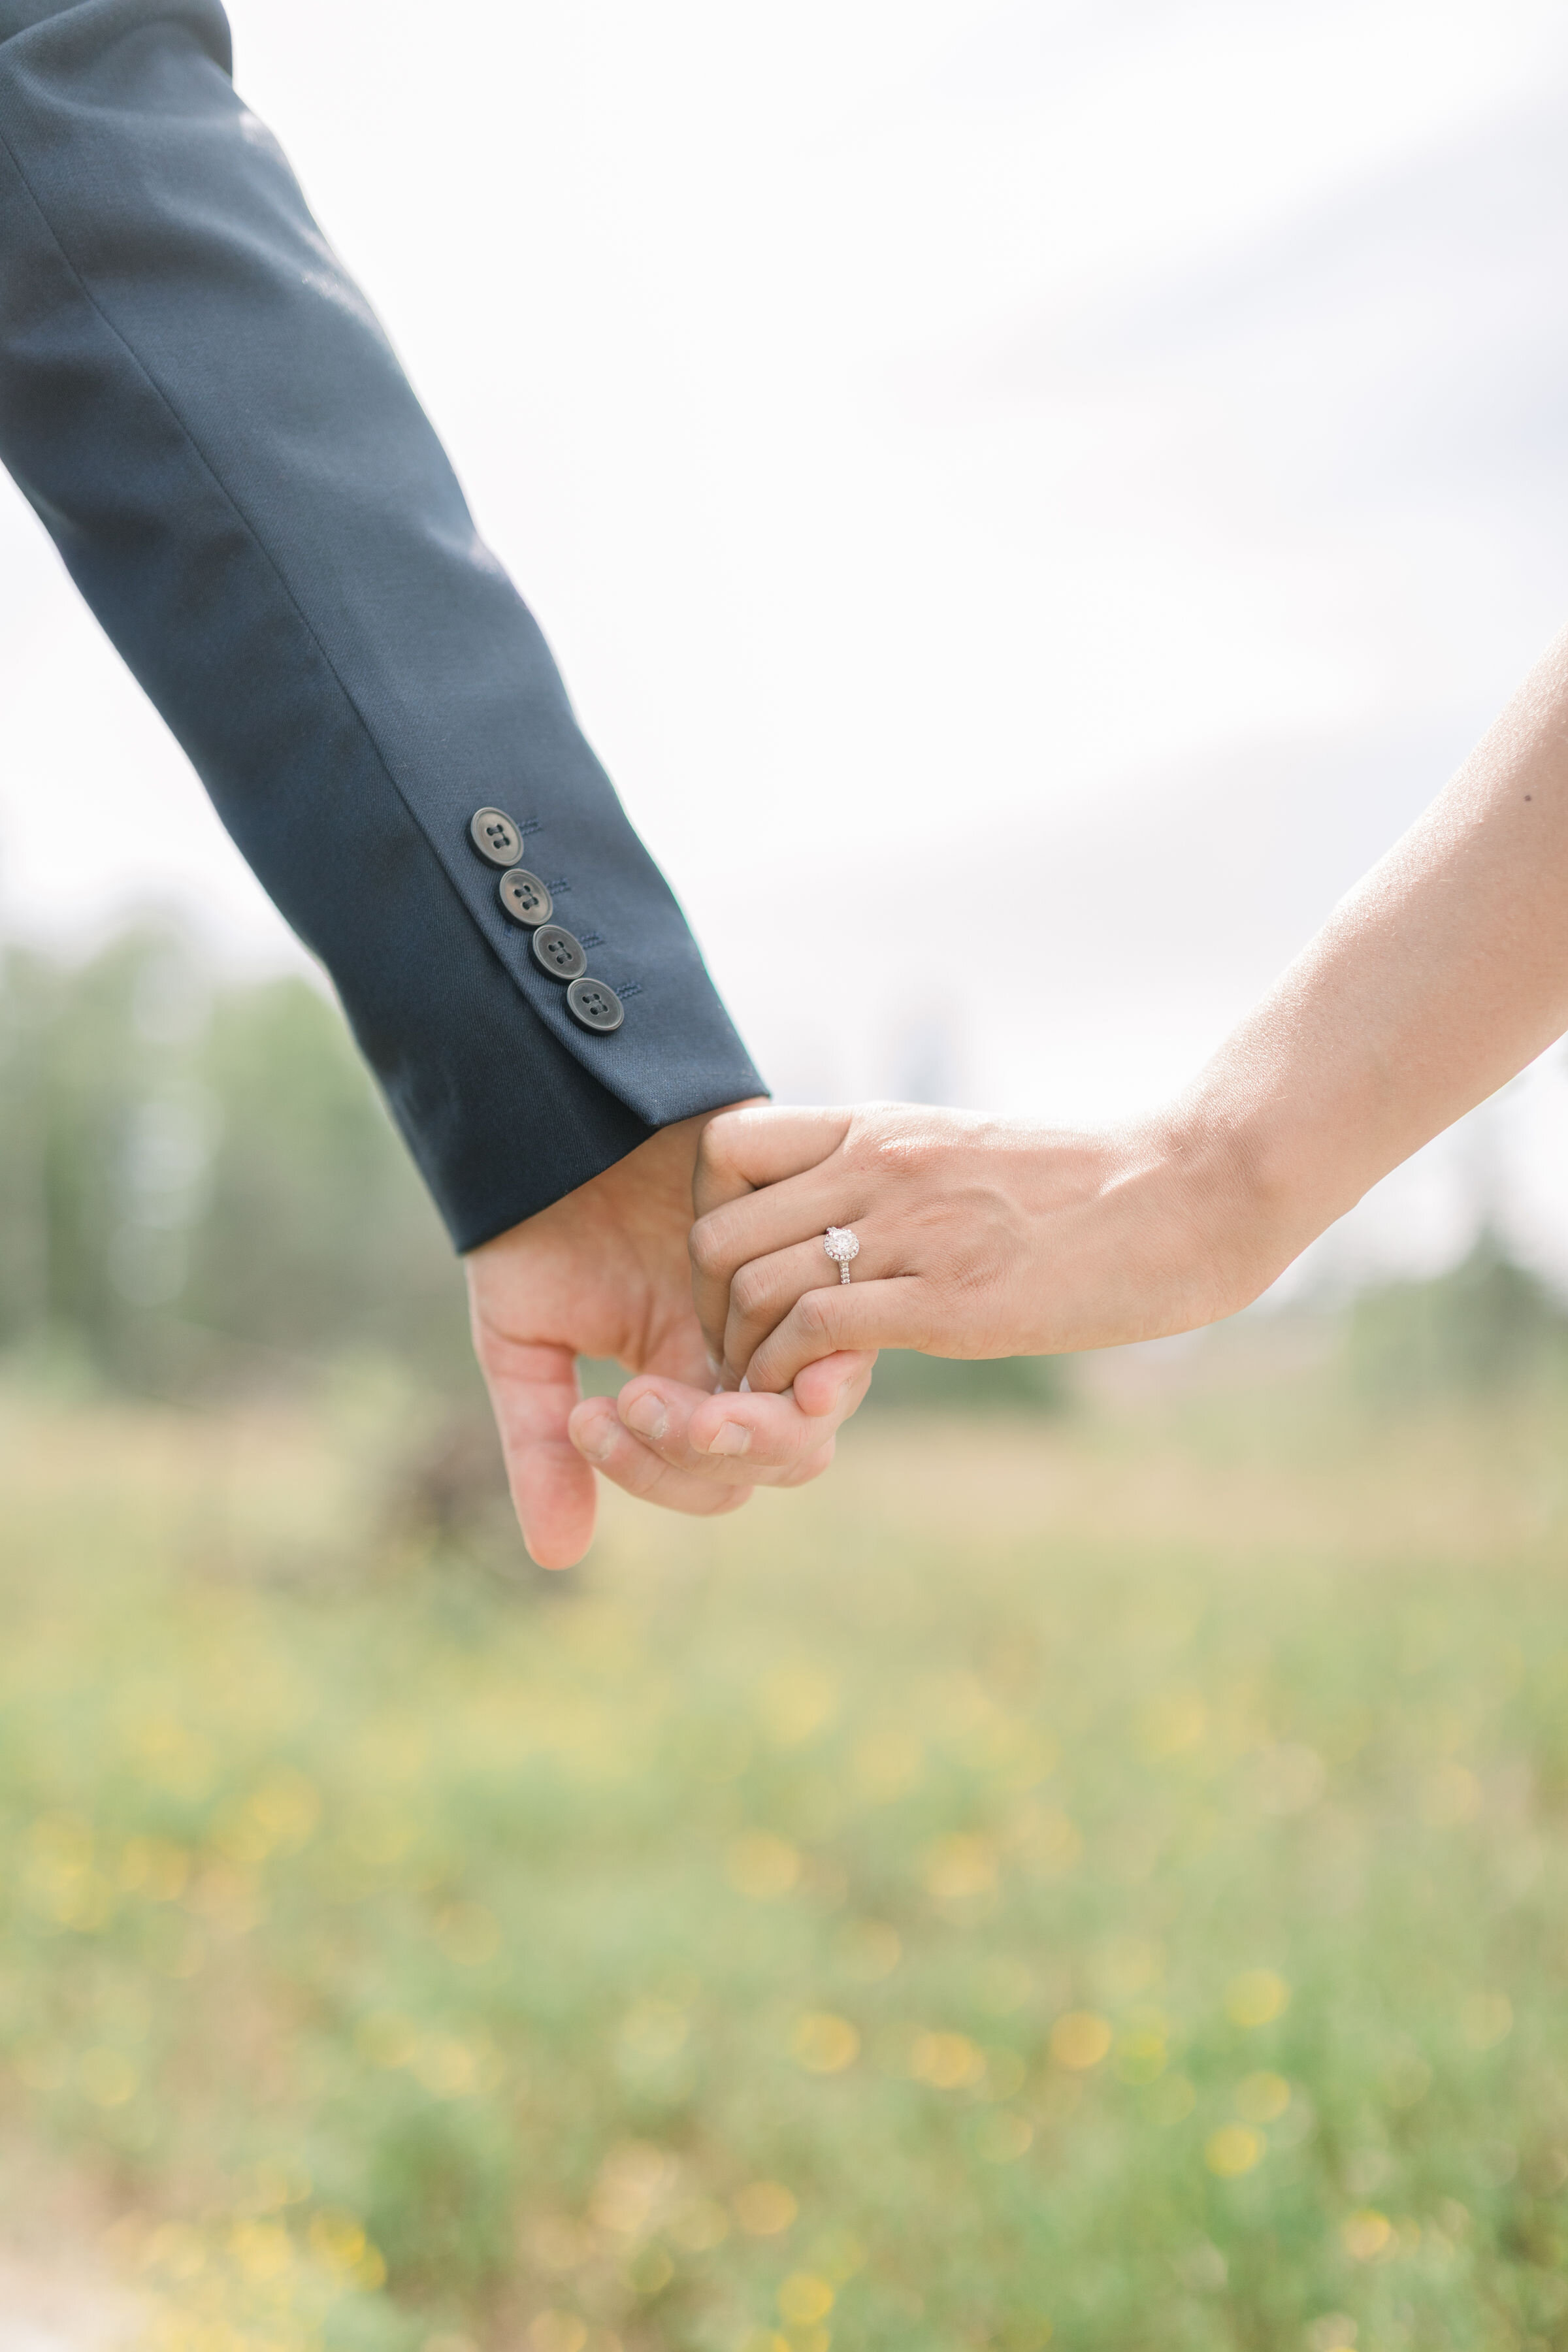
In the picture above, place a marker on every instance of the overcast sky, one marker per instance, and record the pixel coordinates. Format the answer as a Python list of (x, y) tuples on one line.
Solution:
[(1029, 499)]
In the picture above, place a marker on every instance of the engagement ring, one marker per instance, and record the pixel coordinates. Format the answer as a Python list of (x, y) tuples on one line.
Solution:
[(841, 1246)]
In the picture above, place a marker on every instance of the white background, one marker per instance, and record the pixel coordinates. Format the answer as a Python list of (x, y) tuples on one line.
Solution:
[(1029, 499)]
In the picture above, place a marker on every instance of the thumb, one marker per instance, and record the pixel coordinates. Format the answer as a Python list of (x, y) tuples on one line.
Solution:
[(532, 1392)]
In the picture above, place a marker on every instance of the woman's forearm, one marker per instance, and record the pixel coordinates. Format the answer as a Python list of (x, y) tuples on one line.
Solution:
[(1442, 974)]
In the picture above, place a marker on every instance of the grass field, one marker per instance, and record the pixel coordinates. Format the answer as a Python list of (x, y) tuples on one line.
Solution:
[(1097, 1882)]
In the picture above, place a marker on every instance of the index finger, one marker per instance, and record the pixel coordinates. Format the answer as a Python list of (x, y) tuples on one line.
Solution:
[(740, 1150)]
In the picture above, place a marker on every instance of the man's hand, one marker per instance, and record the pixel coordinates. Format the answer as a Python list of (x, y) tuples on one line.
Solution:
[(605, 1272)]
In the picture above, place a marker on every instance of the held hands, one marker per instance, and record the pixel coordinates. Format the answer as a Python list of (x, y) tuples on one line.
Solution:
[(978, 1237), (605, 1272)]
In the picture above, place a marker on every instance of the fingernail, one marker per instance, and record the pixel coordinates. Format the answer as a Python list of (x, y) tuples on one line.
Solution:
[(597, 1442), (648, 1417), (715, 1367), (730, 1439), (745, 1386)]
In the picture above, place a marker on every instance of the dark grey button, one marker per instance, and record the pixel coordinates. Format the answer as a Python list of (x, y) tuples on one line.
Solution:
[(559, 952), (525, 897), (495, 836), (595, 1005)]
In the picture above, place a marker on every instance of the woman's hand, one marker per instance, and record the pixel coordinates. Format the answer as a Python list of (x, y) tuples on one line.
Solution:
[(978, 1236)]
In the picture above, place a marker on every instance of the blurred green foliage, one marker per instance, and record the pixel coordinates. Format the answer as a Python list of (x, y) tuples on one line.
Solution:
[(1487, 1326), (939, 1384), (1096, 1881), (200, 1186), (1124, 1907)]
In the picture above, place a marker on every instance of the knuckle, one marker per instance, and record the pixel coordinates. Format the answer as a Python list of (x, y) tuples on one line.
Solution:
[(817, 1316), (706, 1245), (720, 1139), (722, 1151), (891, 1148), (750, 1291), (766, 1366)]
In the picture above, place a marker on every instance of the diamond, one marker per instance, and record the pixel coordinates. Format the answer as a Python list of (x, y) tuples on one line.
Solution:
[(840, 1243)]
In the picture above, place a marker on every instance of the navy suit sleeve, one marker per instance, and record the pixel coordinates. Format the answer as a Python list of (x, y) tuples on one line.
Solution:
[(198, 402)]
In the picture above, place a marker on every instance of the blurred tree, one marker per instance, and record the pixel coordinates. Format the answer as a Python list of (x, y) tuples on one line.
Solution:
[(315, 1228), (1488, 1325), (25, 1270), (946, 1384), (73, 1074), (201, 1184)]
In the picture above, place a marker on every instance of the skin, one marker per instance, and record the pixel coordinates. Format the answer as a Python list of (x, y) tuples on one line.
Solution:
[(1438, 978), (605, 1272)]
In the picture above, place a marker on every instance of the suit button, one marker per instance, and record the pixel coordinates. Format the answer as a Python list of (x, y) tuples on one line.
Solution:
[(495, 836), (525, 897), (595, 1005), (559, 952)]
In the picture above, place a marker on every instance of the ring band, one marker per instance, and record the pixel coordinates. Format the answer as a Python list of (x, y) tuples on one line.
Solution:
[(841, 1246)]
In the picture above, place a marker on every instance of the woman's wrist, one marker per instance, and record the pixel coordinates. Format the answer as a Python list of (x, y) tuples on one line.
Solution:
[(1232, 1199)]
